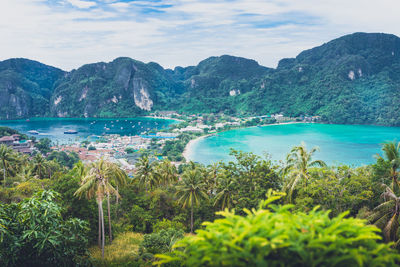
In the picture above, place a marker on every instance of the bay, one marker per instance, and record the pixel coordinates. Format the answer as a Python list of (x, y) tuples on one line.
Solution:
[(54, 128), (339, 144)]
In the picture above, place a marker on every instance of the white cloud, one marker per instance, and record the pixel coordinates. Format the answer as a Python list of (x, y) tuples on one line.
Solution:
[(182, 32), (82, 4)]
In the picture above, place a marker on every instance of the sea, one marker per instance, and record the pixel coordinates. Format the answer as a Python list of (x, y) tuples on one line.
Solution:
[(353, 145), (86, 128)]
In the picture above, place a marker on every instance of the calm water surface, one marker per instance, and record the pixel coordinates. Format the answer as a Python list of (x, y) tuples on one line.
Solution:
[(348, 144), (54, 128)]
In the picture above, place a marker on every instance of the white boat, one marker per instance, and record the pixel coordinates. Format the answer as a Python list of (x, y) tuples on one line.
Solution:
[(70, 132), (33, 132)]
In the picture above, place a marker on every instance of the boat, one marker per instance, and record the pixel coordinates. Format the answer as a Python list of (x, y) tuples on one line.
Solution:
[(70, 132), (33, 132)]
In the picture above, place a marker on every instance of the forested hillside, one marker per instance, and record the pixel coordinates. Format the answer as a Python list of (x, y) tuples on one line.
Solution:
[(25, 88), (352, 79)]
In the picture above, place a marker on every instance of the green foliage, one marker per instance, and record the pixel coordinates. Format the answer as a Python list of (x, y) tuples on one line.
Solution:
[(339, 189), (140, 219), (129, 150), (84, 209), (65, 159), (6, 131), (160, 242), (173, 149), (33, 233), (274, 236), (44, 145), (167, 224)]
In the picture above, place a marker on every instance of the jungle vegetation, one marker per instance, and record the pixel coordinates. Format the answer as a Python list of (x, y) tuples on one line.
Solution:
[(249, 210)]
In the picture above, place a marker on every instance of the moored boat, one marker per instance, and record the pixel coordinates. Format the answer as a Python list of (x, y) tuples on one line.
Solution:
[(70, 132), (33, 132)]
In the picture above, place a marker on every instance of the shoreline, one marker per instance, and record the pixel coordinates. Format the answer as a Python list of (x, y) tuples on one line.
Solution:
[(163, 118), (189, 146)]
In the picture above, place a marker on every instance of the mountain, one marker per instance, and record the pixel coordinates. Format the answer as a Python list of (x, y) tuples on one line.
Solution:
[(26, 87), (123, 87), (212, 85), (352, 79)]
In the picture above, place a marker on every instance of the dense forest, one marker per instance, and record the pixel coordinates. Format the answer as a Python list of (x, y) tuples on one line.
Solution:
[(352, 79), (55, 210)]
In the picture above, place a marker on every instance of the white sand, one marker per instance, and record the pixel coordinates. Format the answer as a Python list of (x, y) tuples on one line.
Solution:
[(187, 152)]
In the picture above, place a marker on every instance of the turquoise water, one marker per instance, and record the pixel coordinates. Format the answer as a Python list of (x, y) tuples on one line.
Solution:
[(54, 128), (339, 144)]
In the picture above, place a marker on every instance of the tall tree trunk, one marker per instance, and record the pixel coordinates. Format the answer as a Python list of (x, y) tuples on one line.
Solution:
[(117, 195), (109, 216), (4, 173), (99, 238), (191, 219), (116, 202), (102, 230)]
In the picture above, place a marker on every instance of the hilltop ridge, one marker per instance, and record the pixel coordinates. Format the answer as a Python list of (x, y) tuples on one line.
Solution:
[(351, 79)]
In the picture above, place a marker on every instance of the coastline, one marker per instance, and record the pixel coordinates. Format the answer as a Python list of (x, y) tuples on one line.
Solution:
[(189, 146), (163, 118)]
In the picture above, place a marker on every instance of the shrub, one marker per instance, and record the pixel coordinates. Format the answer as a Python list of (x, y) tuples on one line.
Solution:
[(33, 233), (167, 224), (129, 150), (277, 237), (160, 242)]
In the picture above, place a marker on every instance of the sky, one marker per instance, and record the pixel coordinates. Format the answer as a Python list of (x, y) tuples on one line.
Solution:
[(70, 33)]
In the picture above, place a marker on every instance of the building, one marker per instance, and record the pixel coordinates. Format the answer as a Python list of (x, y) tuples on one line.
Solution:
[(191, 129), (15, 142), (6, 140)]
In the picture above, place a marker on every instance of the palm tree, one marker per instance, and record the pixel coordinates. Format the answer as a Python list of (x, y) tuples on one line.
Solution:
[(386, 215), (145, 172), (166, 172), (298, 161), (117, 177), (391, 152), (25, 173), (7, 159), (80, 169), (96, 183), (225, 190), (190, 191), (210, 175), (40, 165)]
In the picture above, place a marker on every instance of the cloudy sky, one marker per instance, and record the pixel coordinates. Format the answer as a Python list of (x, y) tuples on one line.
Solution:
[(69, 33)]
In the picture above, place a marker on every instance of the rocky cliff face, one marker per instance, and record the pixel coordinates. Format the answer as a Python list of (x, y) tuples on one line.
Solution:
[(123, 86), (25, 88)]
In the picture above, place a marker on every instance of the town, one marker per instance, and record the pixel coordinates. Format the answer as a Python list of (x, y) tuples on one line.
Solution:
[(168, 143)]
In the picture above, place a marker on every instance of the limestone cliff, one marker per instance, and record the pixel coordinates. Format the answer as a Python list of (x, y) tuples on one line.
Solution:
[(123, 87), (25, 88)]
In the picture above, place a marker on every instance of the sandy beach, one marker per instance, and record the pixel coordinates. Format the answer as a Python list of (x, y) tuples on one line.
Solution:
[(189, 146)]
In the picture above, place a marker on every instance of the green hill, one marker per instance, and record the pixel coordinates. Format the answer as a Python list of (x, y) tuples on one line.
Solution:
[(26, 87), (352, 79)]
